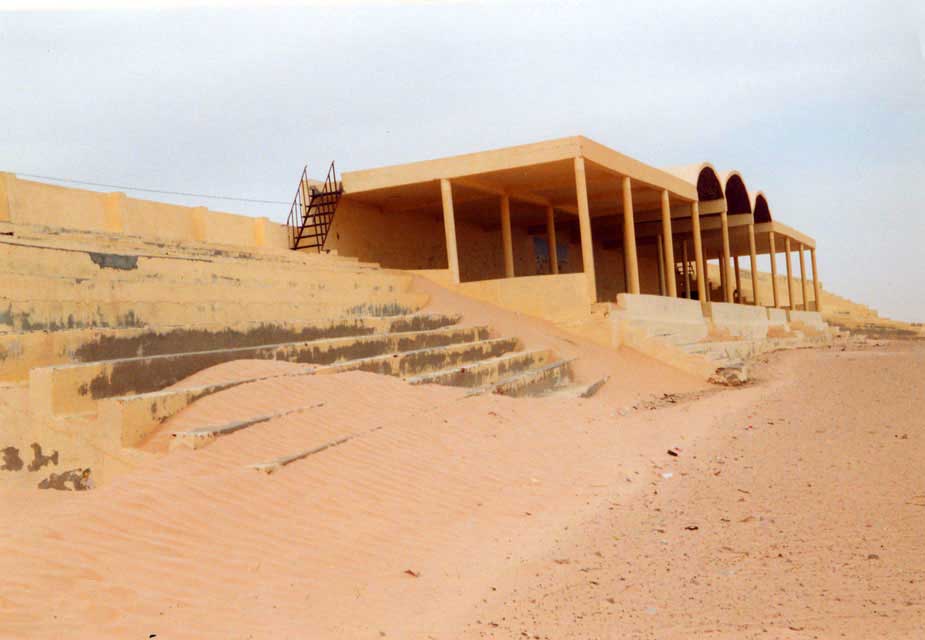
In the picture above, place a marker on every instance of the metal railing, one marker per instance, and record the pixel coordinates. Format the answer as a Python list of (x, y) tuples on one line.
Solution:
[(312, 211)]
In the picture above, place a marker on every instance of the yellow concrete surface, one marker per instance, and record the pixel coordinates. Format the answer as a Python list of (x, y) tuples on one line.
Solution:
[(27, 202)]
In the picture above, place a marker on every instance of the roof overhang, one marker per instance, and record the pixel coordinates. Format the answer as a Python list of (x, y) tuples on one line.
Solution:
[(538, 175)]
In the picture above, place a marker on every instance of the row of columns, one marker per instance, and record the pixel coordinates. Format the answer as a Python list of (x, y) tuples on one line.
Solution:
[(804, 287), (666, 258), (788, 249)]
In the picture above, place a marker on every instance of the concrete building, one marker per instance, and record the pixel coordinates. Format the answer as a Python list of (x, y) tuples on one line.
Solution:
[(569, 223), (111, 307)]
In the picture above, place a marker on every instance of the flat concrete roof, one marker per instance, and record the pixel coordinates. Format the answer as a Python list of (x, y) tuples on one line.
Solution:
[(540, 174)]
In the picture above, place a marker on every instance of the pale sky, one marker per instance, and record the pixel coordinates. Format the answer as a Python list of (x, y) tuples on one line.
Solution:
[(819, 104)]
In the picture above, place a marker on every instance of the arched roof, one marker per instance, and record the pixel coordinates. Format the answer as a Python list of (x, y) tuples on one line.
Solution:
[(760, 208), (737, 198), (705, 176)]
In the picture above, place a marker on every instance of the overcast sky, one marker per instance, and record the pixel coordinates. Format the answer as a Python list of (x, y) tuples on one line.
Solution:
[(819, 104)]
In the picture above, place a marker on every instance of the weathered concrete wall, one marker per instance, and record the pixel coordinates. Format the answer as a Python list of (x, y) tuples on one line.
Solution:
[(560, 298), (26, 202), (777, 317), (740, 320), (416, 240)]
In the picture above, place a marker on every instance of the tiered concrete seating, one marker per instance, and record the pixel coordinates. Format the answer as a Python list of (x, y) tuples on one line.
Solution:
[(103, 327), (676, 332)]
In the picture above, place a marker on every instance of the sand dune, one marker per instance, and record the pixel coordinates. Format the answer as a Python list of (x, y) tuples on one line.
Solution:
[(531, 515)]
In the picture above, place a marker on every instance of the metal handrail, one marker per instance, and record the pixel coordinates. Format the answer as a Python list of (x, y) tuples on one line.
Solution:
[(320, 214)]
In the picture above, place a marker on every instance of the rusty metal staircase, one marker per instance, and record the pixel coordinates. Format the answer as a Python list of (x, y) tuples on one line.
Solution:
[(312, 211)]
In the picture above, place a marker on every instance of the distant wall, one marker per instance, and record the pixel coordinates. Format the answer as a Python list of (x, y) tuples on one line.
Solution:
[(36, 203)]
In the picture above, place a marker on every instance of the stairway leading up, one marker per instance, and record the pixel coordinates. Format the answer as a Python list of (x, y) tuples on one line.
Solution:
[(312, 211)]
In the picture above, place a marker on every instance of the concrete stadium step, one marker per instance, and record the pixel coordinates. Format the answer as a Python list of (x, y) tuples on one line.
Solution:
[(132, 419), (76, 388), (421, 361), (724, 351), (135, 416), (26, 261), (20, 352), (29, 259), (485, 372), (536, 381), (58, 316), (577, 390), (673, 332), (179, 289), (68, 238)]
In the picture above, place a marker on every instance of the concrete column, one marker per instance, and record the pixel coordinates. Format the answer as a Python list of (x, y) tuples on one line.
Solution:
[(449, 226), (773, 251), (724, 265), (709, 290), (789, 274), (670, 271), (738, 274), (803, 288), (506, 237), (753, 262), (629, 238), (687, 270), (551, 239), (817, 286), (584, 225), (723, 275), (698, 257), (660, 241)]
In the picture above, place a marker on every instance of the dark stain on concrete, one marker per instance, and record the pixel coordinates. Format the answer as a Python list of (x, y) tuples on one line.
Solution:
[(380, 310), (146, 374), (113, 261), (537, 382), (11, 459), (39, 460), (442, 339), (479, 376), (22, 321), (423, 361), (421, 323), (71, 480), (183, 340)]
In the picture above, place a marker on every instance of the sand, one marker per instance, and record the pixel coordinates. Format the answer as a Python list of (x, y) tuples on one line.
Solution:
[(453, 517)]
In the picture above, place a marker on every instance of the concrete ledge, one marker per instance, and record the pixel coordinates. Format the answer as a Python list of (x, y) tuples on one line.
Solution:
[(808, 318), (746, 321), (20, 352), (660, 307), (536, 381), (637, 338), (71, 389), (730, 313), (137, 416), (422, 361), (486, 372), (127, 312), (197, 438), (777, 317), (558, 298)]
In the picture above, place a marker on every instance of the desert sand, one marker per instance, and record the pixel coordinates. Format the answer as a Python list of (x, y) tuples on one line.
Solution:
[(794, 508)]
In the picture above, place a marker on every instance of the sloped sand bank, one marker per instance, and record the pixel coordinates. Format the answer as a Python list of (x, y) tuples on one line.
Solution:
[(450, 517)]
